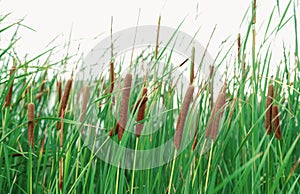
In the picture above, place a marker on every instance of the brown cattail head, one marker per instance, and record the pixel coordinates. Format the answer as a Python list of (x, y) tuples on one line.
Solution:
[(9, 94), (64, 101), (182, 116), (58, 85), (112, 77), (276, 122), (141, 112), (124, 105), (217, 112), (31, 124), (254, 12), (269, 102)]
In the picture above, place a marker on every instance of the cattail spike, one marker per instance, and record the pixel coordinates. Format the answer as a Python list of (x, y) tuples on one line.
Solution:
[(124, 105), (31, 124), (141, 112), (182, 116), (217, 112), (276, 122), (58, 84), (269, 102), (9, 94), (64, 101)]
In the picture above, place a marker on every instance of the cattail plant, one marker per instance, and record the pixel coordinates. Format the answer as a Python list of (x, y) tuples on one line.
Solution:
[(182, 116), (276, 122), (141, 112), (9, 94), (269, 102), (217, 112), (31, 124), (64, 101), (120, 128)]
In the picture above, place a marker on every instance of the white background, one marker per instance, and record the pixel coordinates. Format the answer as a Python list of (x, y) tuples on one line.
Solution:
[(89, 19)]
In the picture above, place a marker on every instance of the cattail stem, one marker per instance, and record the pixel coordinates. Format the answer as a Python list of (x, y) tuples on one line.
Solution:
[(211, 85), (61, 141), (217, 112), (192, 70), (157, 37), (31, 124), (269, 102), (239, 47), (64, 101), (9, 94), (182, 116), (124, 106), (141, 112)]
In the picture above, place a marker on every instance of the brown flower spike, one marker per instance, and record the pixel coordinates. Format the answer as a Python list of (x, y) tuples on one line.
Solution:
[(182, 116), (31, 124), (217, 112), (124, 106)]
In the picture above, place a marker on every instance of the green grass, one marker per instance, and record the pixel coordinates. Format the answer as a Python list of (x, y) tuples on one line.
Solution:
[(243, 159)]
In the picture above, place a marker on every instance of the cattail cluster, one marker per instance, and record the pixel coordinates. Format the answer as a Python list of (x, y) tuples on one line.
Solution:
[(31, 124), (272, 114), (141, 112), (9, 94), (212, 128), (182, 116), (84, 103), (64, 101)]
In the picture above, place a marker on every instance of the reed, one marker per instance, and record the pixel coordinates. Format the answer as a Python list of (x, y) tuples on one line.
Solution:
[(124, 106), (141, 112), (217, 112), (268, 115), (31, 124), (9, 94), (64, 101), (182, 116)]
